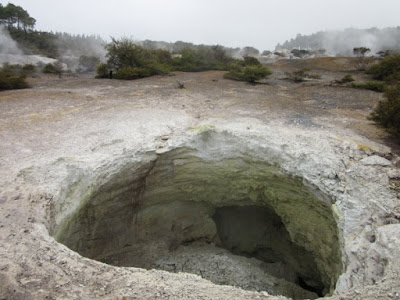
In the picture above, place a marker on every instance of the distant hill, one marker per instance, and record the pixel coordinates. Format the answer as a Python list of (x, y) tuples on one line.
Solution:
[(342, 42)]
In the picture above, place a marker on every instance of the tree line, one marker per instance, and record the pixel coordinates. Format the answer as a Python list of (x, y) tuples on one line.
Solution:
[(14, 16), (128, 60)]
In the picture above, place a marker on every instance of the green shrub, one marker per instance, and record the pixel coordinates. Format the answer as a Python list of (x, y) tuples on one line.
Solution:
[(301, 75), (249, 73), (387, 113), (49, 69), (376, 86), (102, 71), (388, 67), (55, 68), (12, 78), (250, 61), (130, 73)]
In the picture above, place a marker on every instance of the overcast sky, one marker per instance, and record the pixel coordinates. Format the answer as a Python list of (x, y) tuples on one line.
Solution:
[(257, 23)]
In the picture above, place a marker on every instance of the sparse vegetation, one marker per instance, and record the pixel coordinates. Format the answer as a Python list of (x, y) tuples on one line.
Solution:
[(362, 61), (249, 69), (387, 113), (204, 58), (88, 63), (387, 69), (376, 86), (130, 73), (346, 79), (12, 77), (301, 75), (55, 68), (132, 61)]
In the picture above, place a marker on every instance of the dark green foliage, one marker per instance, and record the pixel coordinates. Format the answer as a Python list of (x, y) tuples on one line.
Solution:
[(12, 77), (385, 69), (125, 53), (102, 71), (36, 42), (204, 58), (387, 113), (254, 73), (132, 61), (14, 16), (376, 86), (301, 75), (250, 61), (49, 69), (130, 73), (21, 28), (346, 79), (249, 69)]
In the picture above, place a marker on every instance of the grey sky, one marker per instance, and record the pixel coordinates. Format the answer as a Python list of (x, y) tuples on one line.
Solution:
[(257, 23)]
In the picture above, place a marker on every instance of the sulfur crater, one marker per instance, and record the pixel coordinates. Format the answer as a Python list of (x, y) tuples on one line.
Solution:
[(232, 219)]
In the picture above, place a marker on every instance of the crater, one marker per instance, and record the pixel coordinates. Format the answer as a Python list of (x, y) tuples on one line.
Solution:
[(232, 219)]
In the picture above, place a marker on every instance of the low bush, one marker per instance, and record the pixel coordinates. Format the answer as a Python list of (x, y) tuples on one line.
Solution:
[(387, 113), (249, 69), (301, 75), (49, 69), (376, 86), (12, 78), (102, 71), (387, 68), (130, 73)]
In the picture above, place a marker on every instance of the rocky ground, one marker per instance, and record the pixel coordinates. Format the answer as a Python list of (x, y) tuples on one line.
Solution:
[(313, 129)]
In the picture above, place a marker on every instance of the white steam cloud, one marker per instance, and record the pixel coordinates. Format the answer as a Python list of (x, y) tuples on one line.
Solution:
[(7, 44)]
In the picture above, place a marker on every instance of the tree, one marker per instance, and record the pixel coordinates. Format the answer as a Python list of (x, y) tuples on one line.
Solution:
[(14, 16), (362, 60), (124, 53)]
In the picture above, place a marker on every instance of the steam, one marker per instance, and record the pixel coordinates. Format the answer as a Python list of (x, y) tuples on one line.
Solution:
[(343, 42), (7, 44), (72, 47), (10, 52)]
